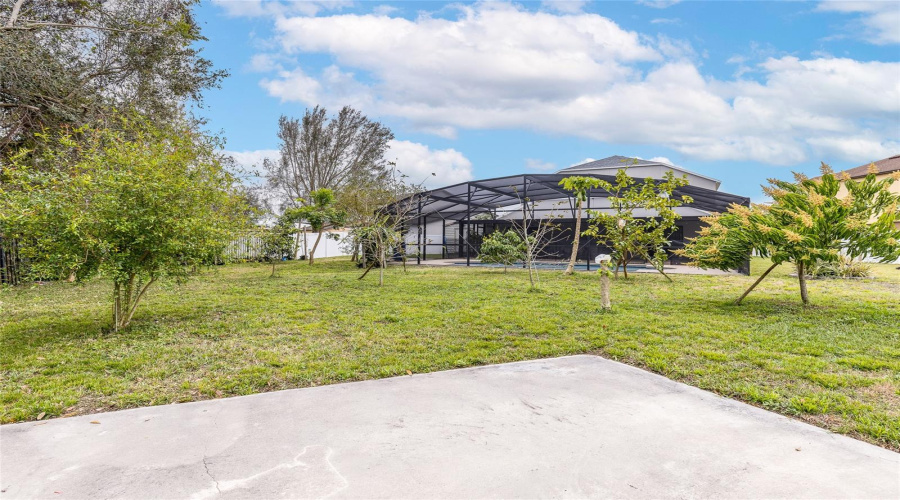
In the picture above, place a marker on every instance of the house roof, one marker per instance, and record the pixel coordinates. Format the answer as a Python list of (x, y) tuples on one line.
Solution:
[(884, 166), (610, 165)]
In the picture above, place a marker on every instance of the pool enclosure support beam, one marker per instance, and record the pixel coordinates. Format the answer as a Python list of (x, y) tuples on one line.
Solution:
[(467, 229), (524, 213), (443, 238), (419, 234), (587, 244)]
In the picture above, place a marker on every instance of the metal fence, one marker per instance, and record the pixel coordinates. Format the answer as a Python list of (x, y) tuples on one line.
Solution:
[(10, 263)]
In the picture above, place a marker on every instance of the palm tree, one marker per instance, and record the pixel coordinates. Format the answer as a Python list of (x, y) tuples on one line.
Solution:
[(580, 188)]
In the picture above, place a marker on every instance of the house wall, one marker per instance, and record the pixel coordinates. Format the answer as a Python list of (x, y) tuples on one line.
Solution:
[(895, 188), (328, 247), (433, 237)]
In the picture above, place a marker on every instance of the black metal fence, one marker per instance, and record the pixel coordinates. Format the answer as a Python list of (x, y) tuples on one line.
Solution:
[(11, 266)]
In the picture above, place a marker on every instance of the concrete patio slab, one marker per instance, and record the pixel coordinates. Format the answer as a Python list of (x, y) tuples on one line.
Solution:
[(571, 427)]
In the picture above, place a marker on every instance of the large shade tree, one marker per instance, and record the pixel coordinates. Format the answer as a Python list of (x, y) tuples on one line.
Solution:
[(322, 152), (805, 223), (133, 203), (71, 63)]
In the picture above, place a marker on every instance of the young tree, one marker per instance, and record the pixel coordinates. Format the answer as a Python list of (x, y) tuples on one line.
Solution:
[(318, 212), (277, 241), (133, 206), (380, 238), (382, 232), (632, 237), (536, 236), (502, 247), (318, 152), (805, 223), (580, 188)]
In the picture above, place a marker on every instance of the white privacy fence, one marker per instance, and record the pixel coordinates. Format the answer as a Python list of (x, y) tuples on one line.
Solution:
[(250, 246)]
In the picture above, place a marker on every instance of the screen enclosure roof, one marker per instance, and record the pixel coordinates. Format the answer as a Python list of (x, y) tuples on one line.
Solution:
[(468, 199)]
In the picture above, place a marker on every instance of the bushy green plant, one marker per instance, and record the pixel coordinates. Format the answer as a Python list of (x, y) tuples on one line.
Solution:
[(502, 247), (133, 204), (844, 267), (806, 223)]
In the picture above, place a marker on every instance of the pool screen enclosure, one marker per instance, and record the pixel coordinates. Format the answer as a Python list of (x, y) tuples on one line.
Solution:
[(451, 221)]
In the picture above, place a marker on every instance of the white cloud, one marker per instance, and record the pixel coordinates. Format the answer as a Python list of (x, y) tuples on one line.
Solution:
[(582, 162), (263, 63), (540, 165), (583, 75), (564, 6), (859, 148), (659, 4), (664, 20), (879, 21), (384, 10), (418, 162), (274, 8), (663, 159), (252, 158)]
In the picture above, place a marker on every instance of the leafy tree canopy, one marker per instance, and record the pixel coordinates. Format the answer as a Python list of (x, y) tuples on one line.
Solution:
[(322, 152), (71, 63), (805, 223)]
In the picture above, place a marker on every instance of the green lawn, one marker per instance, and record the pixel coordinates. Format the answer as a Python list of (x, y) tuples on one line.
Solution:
[(233, 330)]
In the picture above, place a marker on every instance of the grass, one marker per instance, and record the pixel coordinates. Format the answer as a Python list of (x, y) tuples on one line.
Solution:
[(234, 331)]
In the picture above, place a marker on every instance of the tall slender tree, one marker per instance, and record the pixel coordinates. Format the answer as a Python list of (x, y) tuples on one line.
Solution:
[(580, 188)]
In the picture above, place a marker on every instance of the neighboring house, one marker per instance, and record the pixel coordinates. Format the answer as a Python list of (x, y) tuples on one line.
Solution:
[(450, 222), (885, 167)]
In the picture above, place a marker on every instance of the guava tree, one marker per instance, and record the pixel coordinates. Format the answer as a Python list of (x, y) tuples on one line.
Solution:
[(319, 211), (638, 237), (805, 223), (133, 204), (580, 187), (502, 247)]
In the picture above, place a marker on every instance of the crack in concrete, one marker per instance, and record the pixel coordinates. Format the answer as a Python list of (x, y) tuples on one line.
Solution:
[(215, 424), (208, 473)]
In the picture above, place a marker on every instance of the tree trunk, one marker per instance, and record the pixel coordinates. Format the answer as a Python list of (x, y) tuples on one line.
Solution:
[(571, 267), (125, 302), (381, 270), (801, 276), (315, 245), (604, 288), (738, 301), (273, 269)]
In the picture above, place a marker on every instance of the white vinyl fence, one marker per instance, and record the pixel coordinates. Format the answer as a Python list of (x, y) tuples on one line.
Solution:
[(249, 247)]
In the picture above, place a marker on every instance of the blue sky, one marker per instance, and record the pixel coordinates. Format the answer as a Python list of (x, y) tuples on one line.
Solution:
[(740, 91)]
